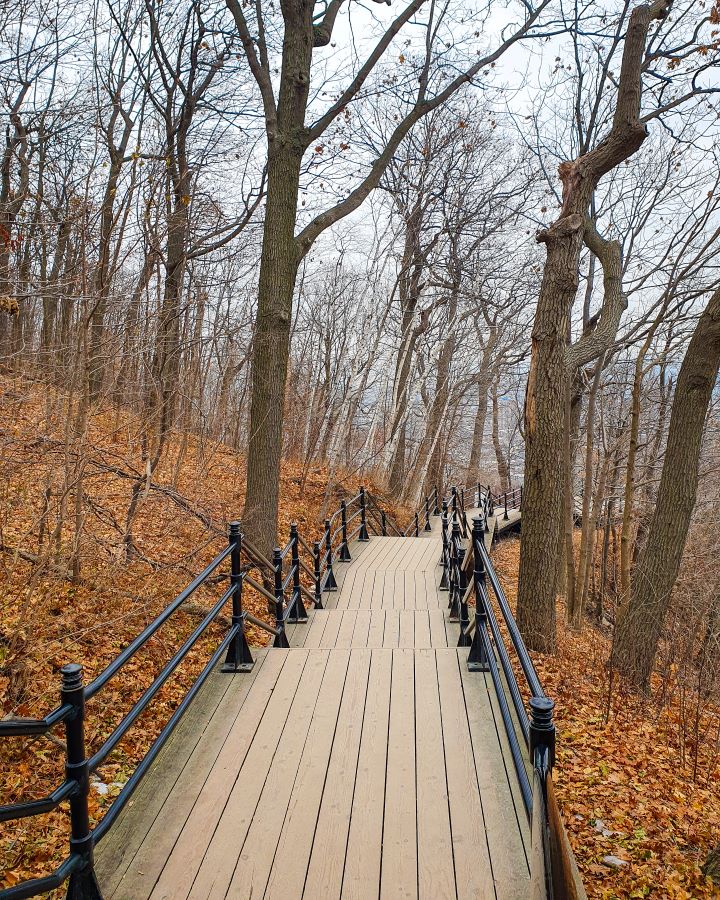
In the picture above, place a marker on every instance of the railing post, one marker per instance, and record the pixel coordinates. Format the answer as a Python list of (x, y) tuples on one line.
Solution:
[(456, 554), (542, 728), (428, 526), (317, 575), (298, 613), (330, 583), (454, 503), (417, 525), (238, 657), (344, 549), (83, 883), (363, 535), (479, 494), (477, 658), (464, 614), (463, 517), (445, 558), (281, 638), (436, 508), (383, 523), (505, 517)]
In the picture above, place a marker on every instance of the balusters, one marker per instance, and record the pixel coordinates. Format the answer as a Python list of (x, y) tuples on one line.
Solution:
[(82, 882), (445, 558), (330, 583), (363, 534), (238, 657), (280, 638), (477, 658), (456, 554), (428, 526), (344, 549), (317, 575), (298, 613)]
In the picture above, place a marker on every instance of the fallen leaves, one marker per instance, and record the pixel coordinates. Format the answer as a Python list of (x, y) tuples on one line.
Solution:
[(638, 823)]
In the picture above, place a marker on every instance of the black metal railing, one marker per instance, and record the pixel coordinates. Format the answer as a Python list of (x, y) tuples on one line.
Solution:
[(284, 572), (530, 729), (355, 519), (421, 519), (296, 573)]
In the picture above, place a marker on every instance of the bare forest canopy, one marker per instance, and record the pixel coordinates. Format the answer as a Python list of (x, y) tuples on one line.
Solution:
[(409, 244)]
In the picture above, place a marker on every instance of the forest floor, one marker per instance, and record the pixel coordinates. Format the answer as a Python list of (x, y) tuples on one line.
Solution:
[(626, 788), (627, 777)]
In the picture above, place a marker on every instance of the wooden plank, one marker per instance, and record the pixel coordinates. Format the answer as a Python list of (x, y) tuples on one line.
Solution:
[(362, 628), (377, 592), (317, 627), (504, 830), (282, 738), (392, 628), (422, 629), (341, 597), (436, 874), (256, 857), (287, 876), (332, 627), (407, 629), (325, 871), (347, 627), (398, 876), (438, 635), (377, 628), (472, 859), (420, 588), (361, 878), (261, 722), (179, 756)]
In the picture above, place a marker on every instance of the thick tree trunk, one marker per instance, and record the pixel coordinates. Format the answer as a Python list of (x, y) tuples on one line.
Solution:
[(551, 359), (640, 626), (544, 432), (278, 271)]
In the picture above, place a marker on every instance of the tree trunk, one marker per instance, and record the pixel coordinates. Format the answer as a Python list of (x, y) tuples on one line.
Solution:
[(279, 262), (551, 359), (639, 628), (545, 403)]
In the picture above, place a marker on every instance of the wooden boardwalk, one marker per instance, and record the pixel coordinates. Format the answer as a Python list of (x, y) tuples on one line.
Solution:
[(364, 762)]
